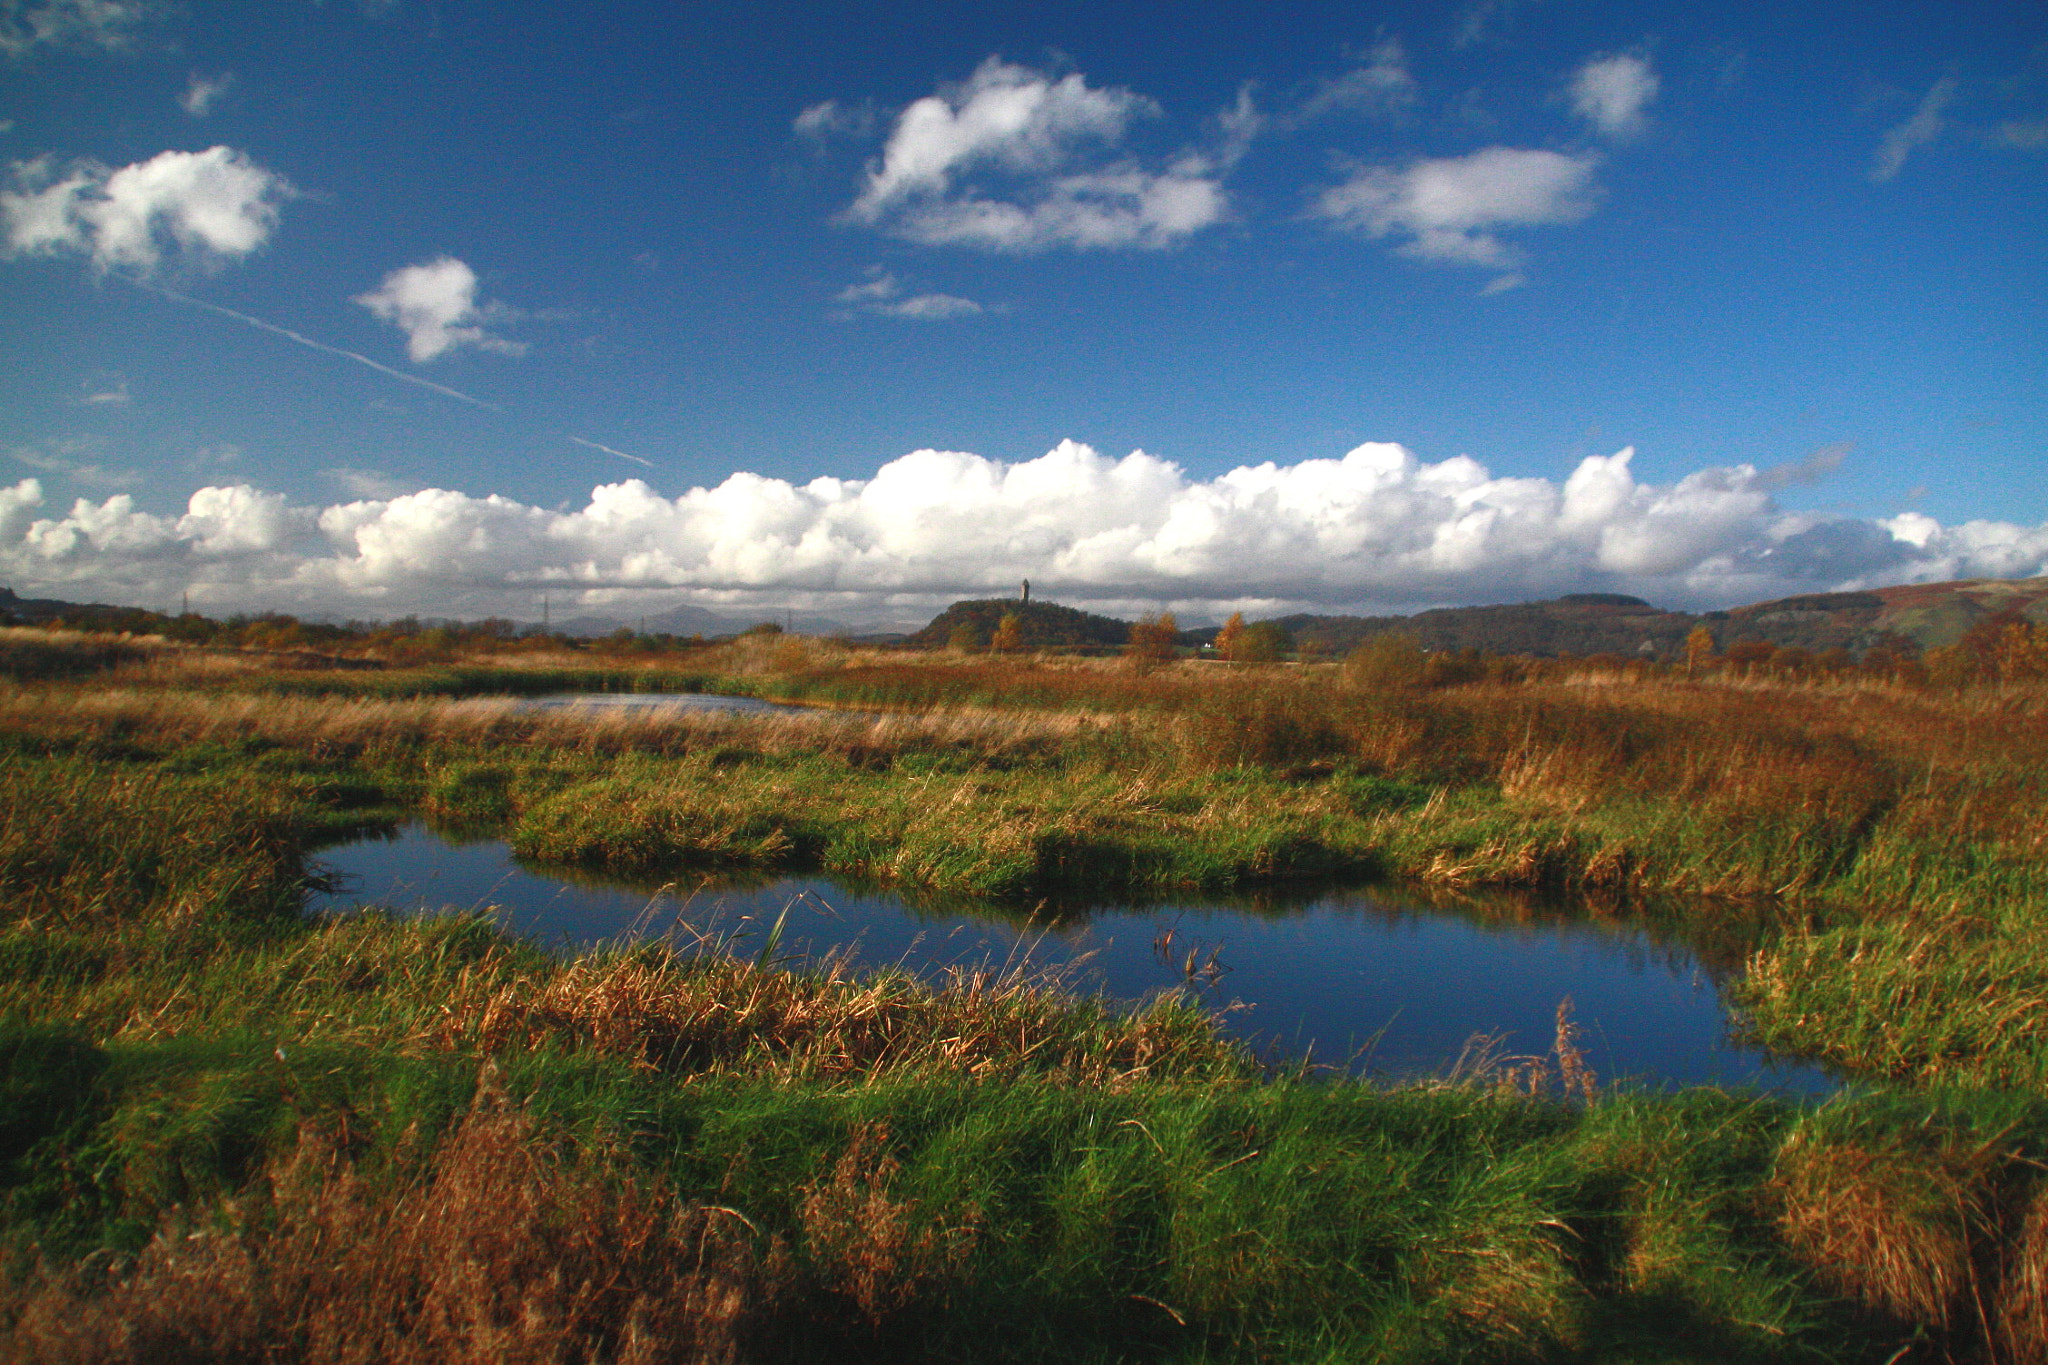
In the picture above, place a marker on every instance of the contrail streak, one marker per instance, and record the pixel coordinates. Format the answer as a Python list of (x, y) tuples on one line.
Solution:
[(304, 340), (609, 451)]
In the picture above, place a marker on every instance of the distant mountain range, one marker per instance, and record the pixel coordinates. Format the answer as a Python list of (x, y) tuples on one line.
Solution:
[(687, 620)]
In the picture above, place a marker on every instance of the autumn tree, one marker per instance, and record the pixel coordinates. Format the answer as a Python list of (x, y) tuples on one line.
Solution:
[(1009, 636), (1699, 651), (1749, 657), (1151, 642), (1228, 638), (2022, 652), (1264, 643), (1793, 662)]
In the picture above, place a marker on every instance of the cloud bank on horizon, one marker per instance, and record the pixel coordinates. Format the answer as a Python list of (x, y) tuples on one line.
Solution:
[(1376, 529)]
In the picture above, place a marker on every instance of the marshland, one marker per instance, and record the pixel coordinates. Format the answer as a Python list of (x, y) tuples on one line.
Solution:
[(235, 1129)]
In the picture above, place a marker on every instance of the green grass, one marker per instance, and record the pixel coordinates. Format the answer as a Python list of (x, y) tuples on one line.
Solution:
[(987, 832), (931, 1214)]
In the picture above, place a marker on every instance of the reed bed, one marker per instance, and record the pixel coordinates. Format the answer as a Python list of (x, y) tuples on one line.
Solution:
[(353, 725), (712, 1013)]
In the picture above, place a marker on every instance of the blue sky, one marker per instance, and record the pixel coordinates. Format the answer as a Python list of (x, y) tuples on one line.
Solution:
[(378, 308)]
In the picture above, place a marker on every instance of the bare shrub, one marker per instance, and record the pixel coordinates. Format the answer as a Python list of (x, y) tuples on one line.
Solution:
[(1390, 662)]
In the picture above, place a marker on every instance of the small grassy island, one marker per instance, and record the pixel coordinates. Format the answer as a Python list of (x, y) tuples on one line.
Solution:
[(230, 1130)]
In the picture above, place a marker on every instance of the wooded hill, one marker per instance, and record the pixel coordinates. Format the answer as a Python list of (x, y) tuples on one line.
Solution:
[(1923, 615), (1042, 625), (1583, 623), (33, 611)]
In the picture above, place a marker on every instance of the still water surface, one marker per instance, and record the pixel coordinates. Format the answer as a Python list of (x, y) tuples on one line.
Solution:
[(650, 705), (1378, 980)]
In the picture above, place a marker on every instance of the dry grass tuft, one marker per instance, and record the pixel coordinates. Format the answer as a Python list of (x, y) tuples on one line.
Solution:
[(1891, 1226), (711, 1012), (1485, 1065), (499, 1253), (1505, 1281), (868, 1244), (2022, 1329)]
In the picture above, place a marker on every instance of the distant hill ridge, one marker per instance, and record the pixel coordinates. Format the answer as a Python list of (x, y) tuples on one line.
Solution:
[(1925, 615), (34, 610), (1582, 623), (1920, 615)]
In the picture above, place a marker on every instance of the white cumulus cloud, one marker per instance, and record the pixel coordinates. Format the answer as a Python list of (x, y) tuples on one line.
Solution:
[(883, 295), (1924, 126), (369, 483), (1015, 160), (1612, 93), (2024, 134), (200, 208), (435, 305), (1379, 85), (834, 118), (1377, 527), (1449, 210), (107, 25), (202, 91)]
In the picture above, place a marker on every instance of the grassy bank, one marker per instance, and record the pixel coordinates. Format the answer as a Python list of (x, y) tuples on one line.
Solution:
[(227, 1132)]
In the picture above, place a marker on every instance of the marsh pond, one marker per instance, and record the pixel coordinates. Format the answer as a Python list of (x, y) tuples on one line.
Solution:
[(1384, 982)]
